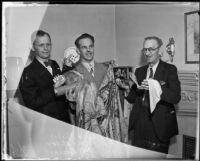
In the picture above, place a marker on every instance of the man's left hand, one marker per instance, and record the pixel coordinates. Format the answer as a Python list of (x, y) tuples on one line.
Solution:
[(144, 85), (59, 80)]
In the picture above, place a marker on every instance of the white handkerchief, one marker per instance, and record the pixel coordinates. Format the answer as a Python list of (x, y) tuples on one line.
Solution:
[(155, 92)]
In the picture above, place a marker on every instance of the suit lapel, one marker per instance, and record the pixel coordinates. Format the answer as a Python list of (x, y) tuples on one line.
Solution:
[(97, 72), (159, 71), (42, 71), (100, 73), (55, 69), (141, 75), (81, 69)]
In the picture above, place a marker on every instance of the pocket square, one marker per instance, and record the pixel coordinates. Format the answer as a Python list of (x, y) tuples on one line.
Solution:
[(162, 83)]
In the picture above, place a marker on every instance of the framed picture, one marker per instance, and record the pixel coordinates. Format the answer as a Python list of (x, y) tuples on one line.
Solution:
[(191, 37), (123, 72)]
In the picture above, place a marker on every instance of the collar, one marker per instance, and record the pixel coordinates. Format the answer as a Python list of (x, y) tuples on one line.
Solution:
[(41, 61), (154, 67), (87, 65)]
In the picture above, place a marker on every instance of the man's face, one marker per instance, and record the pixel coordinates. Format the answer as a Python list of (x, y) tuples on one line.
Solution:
[(42, 46), (86, 49), (151, 51)]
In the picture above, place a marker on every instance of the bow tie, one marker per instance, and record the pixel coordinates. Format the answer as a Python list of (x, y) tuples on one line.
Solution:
[(47, 63)]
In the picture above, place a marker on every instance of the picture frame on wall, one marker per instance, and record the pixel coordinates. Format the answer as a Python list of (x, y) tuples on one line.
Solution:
[(192, 37)]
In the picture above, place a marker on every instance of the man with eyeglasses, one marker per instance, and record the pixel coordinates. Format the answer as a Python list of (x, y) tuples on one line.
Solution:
[(152, 128), (36, 84)]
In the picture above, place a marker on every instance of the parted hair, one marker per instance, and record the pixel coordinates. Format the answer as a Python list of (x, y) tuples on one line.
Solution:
[(39, 33), (83, 36), (159, 41)]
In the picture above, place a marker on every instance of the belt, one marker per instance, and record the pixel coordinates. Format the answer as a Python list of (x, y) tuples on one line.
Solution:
[(153, 145)]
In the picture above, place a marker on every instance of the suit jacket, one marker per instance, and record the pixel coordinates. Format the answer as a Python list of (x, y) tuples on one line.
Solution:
[(164, 116), (36, 87), (99, 73)]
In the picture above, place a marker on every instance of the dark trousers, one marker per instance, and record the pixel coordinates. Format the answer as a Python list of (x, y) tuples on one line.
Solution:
[(144, 134)]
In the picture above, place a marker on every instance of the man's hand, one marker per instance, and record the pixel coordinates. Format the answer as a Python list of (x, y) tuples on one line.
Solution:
[(59, 80), (144, 85), (71, 56), (122, 84), (67, 61), (134, 79)]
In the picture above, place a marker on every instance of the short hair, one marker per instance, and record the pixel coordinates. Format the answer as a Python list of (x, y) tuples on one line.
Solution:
[(159, 41), (83, 36), (39, 33)]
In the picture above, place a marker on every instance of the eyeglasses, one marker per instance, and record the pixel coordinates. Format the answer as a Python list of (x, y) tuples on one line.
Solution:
[(144, 50)]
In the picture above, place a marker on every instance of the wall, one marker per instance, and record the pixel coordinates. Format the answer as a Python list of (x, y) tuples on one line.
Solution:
[(20, 22), (64, 23), (67, 22), (134, 22), (118, 29)]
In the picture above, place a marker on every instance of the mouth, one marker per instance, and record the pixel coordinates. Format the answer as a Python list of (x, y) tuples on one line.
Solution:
[(89, 54), (45, 52)]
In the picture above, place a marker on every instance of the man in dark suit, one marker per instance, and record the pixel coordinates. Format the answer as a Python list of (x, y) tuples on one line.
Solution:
[(36, 84), (153, 130)]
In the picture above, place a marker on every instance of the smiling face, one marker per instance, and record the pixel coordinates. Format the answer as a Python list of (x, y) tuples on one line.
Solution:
[(86, 49), (151, 51), (42, 47)]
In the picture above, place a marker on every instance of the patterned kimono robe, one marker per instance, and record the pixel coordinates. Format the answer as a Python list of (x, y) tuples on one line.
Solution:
[(99, 110)]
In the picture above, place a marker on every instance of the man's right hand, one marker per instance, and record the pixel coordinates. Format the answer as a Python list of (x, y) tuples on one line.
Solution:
[(67, 61), (134, 79), (122, 84)]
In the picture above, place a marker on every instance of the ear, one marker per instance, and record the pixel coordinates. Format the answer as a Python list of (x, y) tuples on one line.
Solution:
[(32, 47), (161, 52)]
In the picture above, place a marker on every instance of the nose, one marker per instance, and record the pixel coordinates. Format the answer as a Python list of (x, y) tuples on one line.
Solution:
[(46, 46), (89, 49), (147, 53)]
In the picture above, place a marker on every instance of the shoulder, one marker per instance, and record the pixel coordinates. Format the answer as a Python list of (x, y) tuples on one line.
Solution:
[(102, 65), (54, 62), (29, 71), (79, 67), (141, 69), (31, 67), (168, 66)]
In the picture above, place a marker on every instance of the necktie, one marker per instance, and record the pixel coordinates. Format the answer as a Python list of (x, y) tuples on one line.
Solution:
[(151, 73), (91, 70), (48, 66), (146, 100), (47, 63)]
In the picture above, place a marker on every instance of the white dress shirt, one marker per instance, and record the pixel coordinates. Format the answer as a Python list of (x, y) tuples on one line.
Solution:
[(89, 67), (154, 67)]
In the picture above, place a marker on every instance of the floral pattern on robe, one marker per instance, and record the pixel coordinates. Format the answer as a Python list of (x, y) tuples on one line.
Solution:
[(100, 110)]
